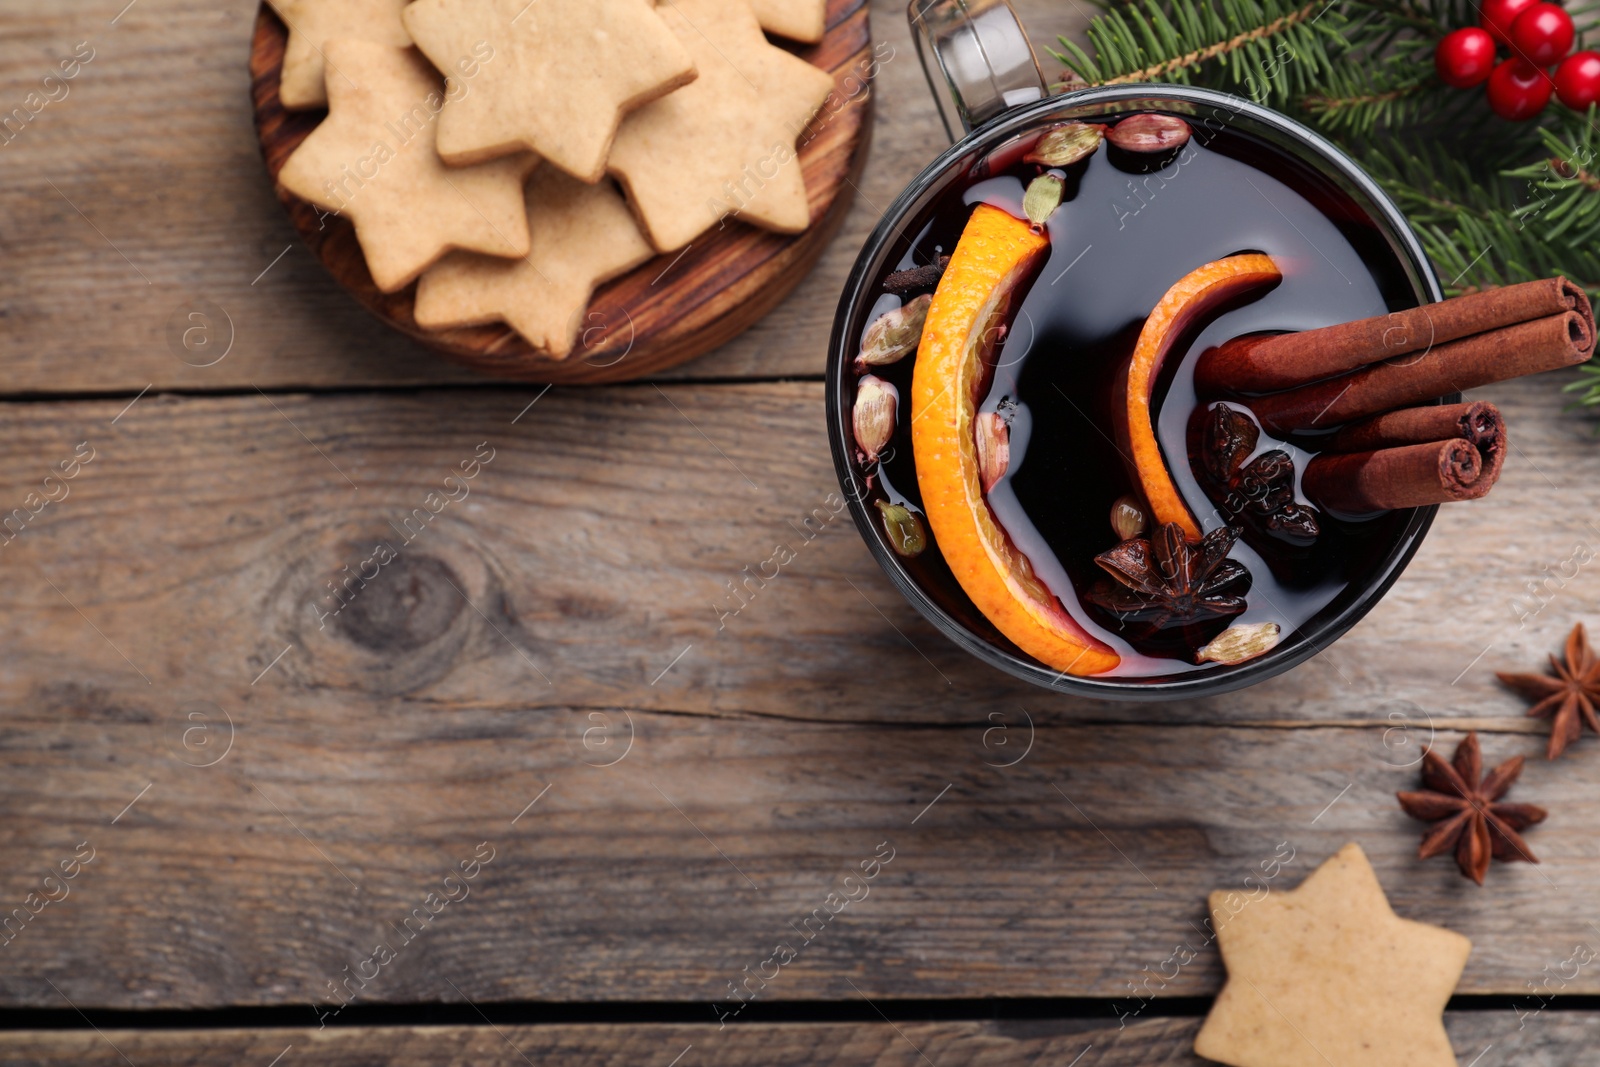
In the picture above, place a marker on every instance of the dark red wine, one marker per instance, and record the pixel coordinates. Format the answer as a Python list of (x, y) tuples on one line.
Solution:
[(1130, 227)]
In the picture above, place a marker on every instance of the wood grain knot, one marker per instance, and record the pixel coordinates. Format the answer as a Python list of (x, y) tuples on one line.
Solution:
[(414, 604), (389, 608)]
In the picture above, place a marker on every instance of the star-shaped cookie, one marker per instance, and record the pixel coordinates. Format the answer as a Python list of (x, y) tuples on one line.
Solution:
[(312, 24), (373, 160), (1327, 973), (582, 235), (559, 77), (798, 20), (724, 145)]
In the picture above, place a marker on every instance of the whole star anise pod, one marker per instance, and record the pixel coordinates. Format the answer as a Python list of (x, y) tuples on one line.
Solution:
[(1169, 580), (1263, 487), (1466, 807), (1571, 693)]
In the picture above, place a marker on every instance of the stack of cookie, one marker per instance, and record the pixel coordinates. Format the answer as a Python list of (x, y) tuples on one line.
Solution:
[(509, 156)]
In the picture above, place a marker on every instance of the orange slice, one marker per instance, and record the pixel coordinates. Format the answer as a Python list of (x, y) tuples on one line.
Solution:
[(995, 255), (1197, 293)]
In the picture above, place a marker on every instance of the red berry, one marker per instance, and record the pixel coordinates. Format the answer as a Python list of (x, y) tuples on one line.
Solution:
[(1518, 90), (1465, 58), (1542, 34), (1578, 80), (1496, 16)]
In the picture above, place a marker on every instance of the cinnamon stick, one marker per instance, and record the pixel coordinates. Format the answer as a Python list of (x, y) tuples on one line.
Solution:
[(1264, 363), (1409, 476), (1476, 421), (1549, 343)]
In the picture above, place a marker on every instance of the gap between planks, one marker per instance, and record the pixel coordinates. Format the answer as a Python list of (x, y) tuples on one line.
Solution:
[(1554, 1040), (399, 389)]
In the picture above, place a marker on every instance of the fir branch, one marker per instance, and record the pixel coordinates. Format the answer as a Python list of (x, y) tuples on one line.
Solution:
[(1581, 176), (1233, 44), (1268, 50), (1365, 97), (1327, 105), (1563, 187), (1587, 386)]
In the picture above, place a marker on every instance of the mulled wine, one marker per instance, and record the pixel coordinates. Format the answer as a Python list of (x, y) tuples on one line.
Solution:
[(1028, 436)]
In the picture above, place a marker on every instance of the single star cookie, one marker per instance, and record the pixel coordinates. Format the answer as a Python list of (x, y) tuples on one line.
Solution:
[(724, 145), (1327, 973), (560, 77), (312, 24), (582, 235), (373, 160), (798, 20)]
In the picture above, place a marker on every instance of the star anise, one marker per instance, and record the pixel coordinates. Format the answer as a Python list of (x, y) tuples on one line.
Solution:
[(1263, 487), (1466, 807), (1569, 698), (1169, 580)]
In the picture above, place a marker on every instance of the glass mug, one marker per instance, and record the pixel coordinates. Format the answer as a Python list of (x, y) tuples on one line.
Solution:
[(986, 78)]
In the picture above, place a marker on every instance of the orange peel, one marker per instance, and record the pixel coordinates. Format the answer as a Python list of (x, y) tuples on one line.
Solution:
[(1197, 293), (996, 255)]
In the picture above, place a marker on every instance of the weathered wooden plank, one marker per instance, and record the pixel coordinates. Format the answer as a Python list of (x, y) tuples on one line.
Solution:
[(1554, 1040), (567, 603), (140, 197), (308, 854), (608, 528)]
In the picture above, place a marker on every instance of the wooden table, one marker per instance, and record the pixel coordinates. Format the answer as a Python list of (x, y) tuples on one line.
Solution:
[(541, 677)]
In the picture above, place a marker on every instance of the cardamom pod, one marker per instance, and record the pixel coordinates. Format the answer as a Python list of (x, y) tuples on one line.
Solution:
[(1064, 145), (876, 401), (1042, 198), (904, 529), (1239, 643), (894, 334), (1127, 518)]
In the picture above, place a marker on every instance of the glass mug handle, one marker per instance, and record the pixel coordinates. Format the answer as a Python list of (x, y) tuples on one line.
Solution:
[(977, 58)]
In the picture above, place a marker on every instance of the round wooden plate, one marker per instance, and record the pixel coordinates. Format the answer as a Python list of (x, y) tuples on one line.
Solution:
[(671, 309)]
